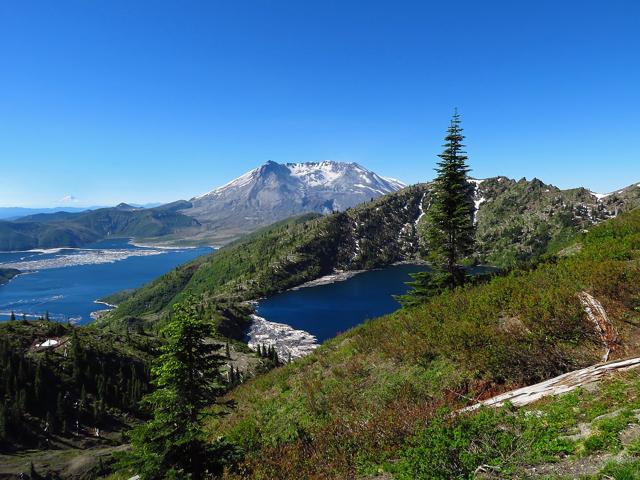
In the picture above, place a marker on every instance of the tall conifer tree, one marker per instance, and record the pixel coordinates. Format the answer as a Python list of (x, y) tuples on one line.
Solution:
[(450, 228), (187, 378)]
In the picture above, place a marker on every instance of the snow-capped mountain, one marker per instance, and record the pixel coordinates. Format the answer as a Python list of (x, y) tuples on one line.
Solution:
[(276, 191)]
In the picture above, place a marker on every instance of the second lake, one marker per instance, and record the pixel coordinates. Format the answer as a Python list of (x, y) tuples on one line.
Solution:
[(327, 310)]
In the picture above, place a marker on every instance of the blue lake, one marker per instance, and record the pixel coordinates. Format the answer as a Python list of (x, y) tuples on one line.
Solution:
[(66, 282), (327, 310)]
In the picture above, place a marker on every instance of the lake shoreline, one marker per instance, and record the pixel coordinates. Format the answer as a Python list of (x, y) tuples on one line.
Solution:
[(342, 275), (289, 342), (343, 300), (72, 284)]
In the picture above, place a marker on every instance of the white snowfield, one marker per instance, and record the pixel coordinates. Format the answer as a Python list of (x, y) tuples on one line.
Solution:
[(600, 196), (242, 181), (422, 212), (477, 198), (50, 342), (325, 175)]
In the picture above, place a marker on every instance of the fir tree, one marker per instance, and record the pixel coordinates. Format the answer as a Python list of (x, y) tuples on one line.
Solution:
[(187, 379), (450, 229)]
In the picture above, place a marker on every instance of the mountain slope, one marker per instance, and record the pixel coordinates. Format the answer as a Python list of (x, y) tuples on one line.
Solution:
[(517, 221), (276, 191), (371, 396)]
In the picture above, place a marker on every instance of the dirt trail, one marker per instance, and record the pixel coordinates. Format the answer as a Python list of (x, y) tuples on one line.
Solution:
[(572, 380)]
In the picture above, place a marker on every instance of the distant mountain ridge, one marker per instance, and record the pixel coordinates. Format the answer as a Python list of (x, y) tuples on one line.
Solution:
[(260, 197), (275, 191), (67, 229), (15, 213)]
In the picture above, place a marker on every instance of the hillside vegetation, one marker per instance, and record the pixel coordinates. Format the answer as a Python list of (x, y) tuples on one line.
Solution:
[(362, 401), (516, 223), (287, 254), (54, 375)]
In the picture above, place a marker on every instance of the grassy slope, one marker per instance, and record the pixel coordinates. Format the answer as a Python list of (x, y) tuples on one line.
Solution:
[(591, 433), (351, 406)]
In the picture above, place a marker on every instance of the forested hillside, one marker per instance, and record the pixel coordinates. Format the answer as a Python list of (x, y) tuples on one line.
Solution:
[(61, 382), (64, 229)]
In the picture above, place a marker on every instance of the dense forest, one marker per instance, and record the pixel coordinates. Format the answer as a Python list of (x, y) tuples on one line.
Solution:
[(62, 381)]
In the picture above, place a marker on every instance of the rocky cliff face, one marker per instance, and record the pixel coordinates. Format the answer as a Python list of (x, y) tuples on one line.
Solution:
[(519, 219), (515, 220)]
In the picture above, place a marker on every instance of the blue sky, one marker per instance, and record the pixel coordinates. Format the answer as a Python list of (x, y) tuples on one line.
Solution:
[(110, 101)]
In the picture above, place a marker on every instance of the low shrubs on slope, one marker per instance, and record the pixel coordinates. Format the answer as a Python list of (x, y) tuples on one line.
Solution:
[(354, 404), (579, 432)]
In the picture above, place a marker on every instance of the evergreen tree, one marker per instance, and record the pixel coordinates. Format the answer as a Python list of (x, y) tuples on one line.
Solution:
[(12, 317), (450, 229), (77, 356), (187, 379)]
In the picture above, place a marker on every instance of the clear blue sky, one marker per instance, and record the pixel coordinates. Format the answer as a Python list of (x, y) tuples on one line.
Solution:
[(111, 101)]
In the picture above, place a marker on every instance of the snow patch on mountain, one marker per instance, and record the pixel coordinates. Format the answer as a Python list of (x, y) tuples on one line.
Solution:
[(238, 183), (327, 175), (600, 196), (422, 212), (277, 191)]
